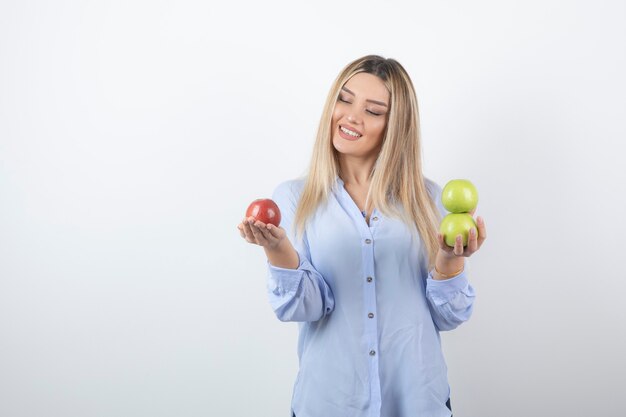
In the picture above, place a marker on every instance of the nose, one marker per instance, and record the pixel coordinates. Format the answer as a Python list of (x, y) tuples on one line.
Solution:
[(352, 119)]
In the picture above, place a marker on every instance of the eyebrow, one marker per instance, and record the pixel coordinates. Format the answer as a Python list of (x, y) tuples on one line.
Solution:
[(371, 101)]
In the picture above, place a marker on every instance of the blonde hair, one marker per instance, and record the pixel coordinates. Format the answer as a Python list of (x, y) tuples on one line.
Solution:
[(397, 174)]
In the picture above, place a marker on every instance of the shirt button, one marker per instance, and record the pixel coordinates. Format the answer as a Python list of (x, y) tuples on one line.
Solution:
[(372, 352), (370, 315), (374, 218), (368, 241), (369, 279)]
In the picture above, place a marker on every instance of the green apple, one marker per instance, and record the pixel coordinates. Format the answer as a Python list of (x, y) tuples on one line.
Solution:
[(459, 196), (455, 224)]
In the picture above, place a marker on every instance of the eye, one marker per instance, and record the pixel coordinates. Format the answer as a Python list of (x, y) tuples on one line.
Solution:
[(375, 114), (342, 100)]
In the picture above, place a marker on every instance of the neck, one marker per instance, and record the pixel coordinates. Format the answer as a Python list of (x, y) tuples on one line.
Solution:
[(356, 171)]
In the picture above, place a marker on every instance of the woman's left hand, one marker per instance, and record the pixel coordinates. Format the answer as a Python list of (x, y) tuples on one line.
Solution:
[(473, 242)]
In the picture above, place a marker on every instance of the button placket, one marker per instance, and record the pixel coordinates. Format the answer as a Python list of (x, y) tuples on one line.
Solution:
[(371, 325), (366, 233), (374, 220)]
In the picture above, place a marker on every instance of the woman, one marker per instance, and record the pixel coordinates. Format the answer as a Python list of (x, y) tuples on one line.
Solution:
[(357, 260)]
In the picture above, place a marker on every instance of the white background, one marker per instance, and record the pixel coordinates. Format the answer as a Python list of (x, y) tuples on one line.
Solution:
[(133, 135)]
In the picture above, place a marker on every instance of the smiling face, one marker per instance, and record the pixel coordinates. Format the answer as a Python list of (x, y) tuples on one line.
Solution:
[(360, 116)]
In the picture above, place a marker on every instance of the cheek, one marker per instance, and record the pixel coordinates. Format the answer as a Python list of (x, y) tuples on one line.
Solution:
[(380, 128), (336, 116)]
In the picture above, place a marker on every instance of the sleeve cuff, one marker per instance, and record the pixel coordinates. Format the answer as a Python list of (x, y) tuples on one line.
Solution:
[(286, 280), (441, 291)]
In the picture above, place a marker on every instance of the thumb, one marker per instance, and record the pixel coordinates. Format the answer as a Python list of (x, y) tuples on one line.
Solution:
[(276, 231)]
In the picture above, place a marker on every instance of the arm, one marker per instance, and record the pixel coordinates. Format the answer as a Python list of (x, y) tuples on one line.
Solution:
[(450, 300), (283, 256), (297, 291)]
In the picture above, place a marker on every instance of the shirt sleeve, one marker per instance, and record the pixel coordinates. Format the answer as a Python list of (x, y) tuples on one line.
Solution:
[(451, 300), (299, 294)]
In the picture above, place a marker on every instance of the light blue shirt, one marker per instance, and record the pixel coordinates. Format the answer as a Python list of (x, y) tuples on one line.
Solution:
[(368, 311)]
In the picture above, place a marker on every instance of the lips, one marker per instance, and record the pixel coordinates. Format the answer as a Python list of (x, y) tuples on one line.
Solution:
[(347, 136), (351, 128)]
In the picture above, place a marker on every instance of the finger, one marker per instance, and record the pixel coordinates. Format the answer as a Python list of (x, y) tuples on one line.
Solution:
[(240, 228), (263, 236), (472, 242), (458, 245), (442, 244), (248, 231), (274, 231), (440, 241), (263, 230), (257, 234), (482, 230)]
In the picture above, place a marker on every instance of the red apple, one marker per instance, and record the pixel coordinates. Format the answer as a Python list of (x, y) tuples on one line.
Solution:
[(264, 210)]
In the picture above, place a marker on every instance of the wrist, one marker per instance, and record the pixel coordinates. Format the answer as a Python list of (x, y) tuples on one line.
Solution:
[(284, 255), (447, 266)]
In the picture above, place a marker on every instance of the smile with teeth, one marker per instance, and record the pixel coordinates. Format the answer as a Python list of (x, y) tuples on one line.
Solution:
[(349, 132)]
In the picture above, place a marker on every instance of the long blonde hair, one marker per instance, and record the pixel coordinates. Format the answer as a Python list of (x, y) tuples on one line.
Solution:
[(397, 174)]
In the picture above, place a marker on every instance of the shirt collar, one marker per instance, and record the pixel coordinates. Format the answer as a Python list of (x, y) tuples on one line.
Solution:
[(339, 184)]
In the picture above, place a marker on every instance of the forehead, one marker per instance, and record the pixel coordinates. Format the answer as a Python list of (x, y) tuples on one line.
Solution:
[(369, 86)]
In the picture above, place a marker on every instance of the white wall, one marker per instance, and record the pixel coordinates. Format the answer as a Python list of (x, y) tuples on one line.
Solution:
[(133, 135)]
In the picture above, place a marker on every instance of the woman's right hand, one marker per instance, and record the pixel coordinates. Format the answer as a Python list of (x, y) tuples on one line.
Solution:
[(259, 233)]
